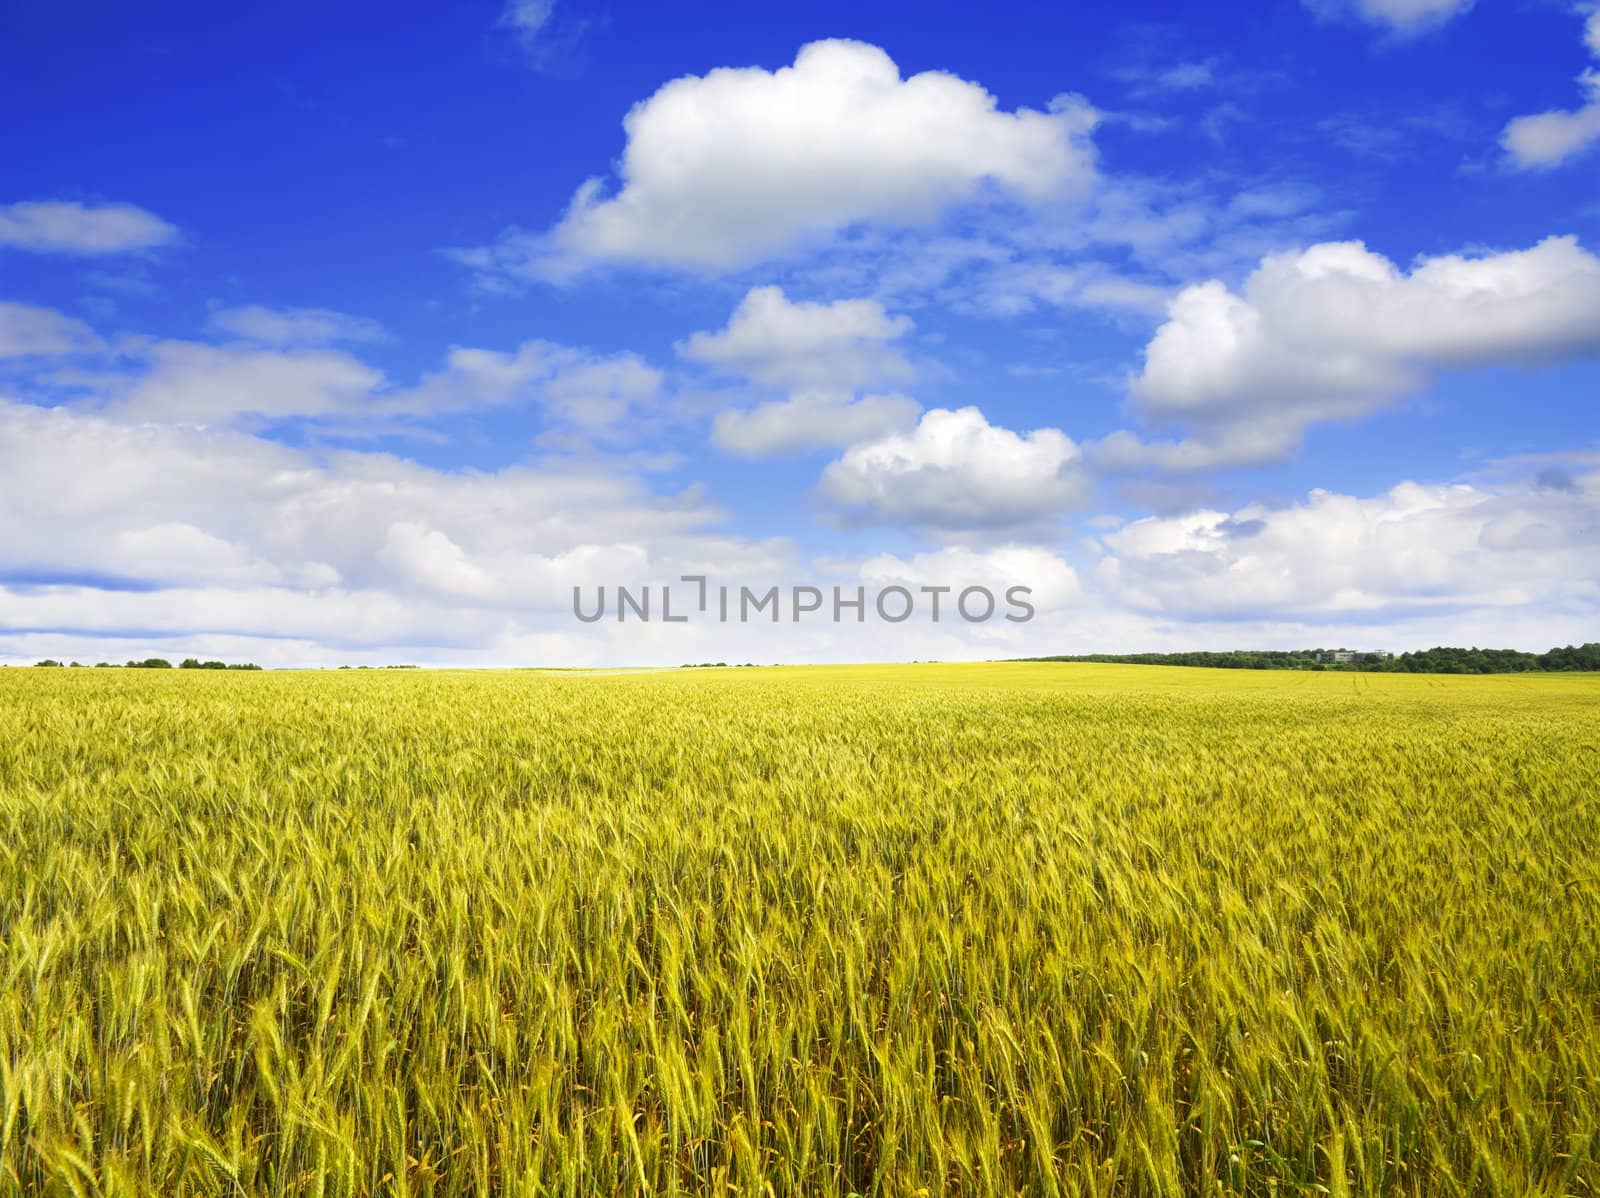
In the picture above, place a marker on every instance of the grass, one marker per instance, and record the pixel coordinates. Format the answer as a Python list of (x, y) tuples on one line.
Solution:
[(995, 929)]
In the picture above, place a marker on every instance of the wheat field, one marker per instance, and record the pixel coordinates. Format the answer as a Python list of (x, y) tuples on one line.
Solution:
[(948, 930)]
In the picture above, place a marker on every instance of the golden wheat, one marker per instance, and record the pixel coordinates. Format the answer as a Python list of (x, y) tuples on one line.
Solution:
[(1007, 929)]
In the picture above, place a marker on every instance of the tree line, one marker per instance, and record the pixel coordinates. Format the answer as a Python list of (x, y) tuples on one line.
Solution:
[(1438, 660), (152, 663)]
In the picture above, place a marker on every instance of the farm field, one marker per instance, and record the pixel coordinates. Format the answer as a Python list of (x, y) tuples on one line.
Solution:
[(1037, 929)]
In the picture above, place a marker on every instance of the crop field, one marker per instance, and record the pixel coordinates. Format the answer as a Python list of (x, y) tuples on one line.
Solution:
[(1032, 929)]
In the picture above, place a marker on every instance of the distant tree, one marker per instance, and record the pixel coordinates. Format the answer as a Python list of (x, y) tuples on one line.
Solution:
[(150, 663), (48, 663), (1438, 660)]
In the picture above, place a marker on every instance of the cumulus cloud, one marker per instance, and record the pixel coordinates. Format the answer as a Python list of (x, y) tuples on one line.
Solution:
[(1336, 331), (724, 169), (180, 553), (158, 507), (772, 340), (430, 557), (1417, 547), (217, 542), (26, 331), (68, 227), (180, 540), (956, 473), (811, 420), (294, 326), (821, 353), (1401, 17), (1547, 139)]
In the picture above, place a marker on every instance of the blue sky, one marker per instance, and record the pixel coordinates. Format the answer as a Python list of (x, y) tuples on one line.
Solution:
[(364, 335)]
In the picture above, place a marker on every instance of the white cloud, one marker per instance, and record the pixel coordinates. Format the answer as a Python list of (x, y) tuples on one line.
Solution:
[(1053, 582), (198, 383), (1230, 446), (1401, 17), (294, 326), (1146, 78), (724, 169), (68, 227), (26, 331), (1018, 286), (955, 473), (597, 394), (214, 384), (528, 17), (177, 552), (427, 556), (1420, 547), (1335, 331), (775, 341), (549, 39), (811, 420), (821, 353), (593, 393), (184, 508), (1547, 139), (217, 543)]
